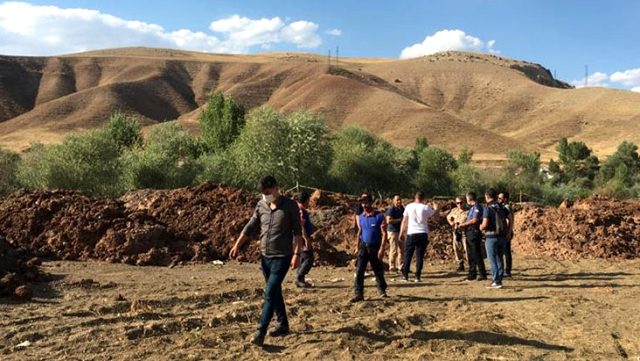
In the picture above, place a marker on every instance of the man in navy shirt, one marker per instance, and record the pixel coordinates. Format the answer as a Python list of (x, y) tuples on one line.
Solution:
[(394, 219), (496, 241), (473, 235), (372, 238)]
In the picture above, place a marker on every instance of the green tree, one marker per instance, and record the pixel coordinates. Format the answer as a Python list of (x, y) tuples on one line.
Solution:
[(421, 144), (469, 178), (220, 122), (9, 162), (465, 156), (576, 163), (125, 131), (168, 159), (522, 172), (433, 174), (624, 165)]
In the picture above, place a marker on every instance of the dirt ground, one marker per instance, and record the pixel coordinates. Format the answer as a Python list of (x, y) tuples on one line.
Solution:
[(551, 310)]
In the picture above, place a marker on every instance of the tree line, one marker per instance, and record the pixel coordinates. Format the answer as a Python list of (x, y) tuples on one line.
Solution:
[(236, 148)]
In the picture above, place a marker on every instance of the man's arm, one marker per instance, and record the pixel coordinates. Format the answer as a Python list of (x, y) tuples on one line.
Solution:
[(383, 229), (249, 228), (403, 227), (298, 242), (485, 219)]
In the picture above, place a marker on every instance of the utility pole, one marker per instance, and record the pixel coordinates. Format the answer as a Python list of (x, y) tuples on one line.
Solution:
[(586, 76)]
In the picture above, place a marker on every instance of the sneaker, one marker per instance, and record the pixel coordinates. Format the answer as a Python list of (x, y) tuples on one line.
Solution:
[(357, 298), (495, 285), (384, 294), (417, 280), (279, 331), (481, 278), (404, 279), (258, 339), (507, 275)]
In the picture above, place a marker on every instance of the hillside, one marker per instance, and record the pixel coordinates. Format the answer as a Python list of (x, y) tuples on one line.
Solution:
[(488, 103)]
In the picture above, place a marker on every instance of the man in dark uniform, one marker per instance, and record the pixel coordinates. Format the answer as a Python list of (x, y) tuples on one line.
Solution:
[(473, 235)]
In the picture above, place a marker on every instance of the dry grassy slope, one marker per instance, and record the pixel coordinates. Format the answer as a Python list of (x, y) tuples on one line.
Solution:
[(451, 98)]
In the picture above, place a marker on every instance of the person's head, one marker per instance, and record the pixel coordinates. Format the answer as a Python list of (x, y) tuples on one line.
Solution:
[(459, 202), (302, 198), (418, 197), (397, 201), (490, 195), (366, 200), (471, 197), (503, 198), (268, 186)]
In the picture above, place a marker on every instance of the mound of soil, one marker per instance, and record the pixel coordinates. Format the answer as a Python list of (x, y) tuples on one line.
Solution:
[(591, 228), (17, 270)]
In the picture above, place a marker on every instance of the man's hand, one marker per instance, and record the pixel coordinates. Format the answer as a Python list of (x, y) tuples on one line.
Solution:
[(381, 253), (295, 261), (403, 236), (234, 252)]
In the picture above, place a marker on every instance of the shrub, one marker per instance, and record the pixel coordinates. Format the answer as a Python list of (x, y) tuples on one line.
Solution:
[(522, 172), (433, 174), (469, 178), (168, 159), (624, 165), (9, 162), (125, 131), (220, 122)]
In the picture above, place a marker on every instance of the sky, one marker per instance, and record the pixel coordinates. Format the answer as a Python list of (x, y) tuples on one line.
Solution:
[(564, 36)]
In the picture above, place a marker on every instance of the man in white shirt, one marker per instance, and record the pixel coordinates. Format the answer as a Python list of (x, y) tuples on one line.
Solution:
[(414, 222)]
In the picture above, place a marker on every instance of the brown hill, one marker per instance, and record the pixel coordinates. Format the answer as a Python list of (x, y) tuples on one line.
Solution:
[(488, 103)]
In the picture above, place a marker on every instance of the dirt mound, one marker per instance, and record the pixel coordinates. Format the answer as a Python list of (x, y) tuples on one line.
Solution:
[(17, 270), (591, 228)]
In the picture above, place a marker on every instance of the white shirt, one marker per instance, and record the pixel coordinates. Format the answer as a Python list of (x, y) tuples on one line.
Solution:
[(418, 214)]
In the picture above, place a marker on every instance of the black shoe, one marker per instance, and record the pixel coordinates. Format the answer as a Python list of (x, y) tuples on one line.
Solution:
[(481, 278), (302, 284), (258, 339), (357, 298), (279, 331), (507, 275), (417, 280), (383, 294)]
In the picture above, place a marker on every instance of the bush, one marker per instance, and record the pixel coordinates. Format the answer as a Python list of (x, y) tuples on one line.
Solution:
[(522, 173), (468, 178), (9, 162), (362, 161), (168, 159), (293, 148), (433, 176), (88, 162), (221, 122), (624, 165), (125, 131)]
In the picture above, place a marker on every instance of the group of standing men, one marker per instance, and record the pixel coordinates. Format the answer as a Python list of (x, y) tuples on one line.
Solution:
[(285, 230)]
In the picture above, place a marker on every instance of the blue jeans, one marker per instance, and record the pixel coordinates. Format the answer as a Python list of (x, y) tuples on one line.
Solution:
[(306, 262), (274, 270), (416, 243), (496, 248)]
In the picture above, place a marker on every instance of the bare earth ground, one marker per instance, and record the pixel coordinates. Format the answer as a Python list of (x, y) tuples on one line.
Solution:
[(551, 310)]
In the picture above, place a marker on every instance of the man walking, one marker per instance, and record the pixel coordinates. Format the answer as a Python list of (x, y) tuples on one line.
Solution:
[(457, 216), (471, 227), (306, 258), (278, 219), (372, 238), (495, 225), (415, 223), (503, 198), (394, 219)]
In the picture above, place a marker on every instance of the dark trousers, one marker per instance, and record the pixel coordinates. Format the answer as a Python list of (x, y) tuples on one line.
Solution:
[(474, 255), (368, 253), (416, 243), (508, 260), (306, 262), (274, 270)]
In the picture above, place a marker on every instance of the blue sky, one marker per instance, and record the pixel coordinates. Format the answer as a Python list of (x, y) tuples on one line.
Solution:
[(563, 36)]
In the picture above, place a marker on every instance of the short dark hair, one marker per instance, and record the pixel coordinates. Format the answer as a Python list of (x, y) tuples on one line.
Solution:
[(267, 182), (366, 196), (396, 195), (505, 194), (472, 195), (491, 193), (419, 195), (302, 197)]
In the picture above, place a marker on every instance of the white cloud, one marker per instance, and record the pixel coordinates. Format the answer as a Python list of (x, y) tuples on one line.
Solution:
[(636, 89), (444, 40), (629, 77), (27, 29), (597, 79), (334, 32)]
